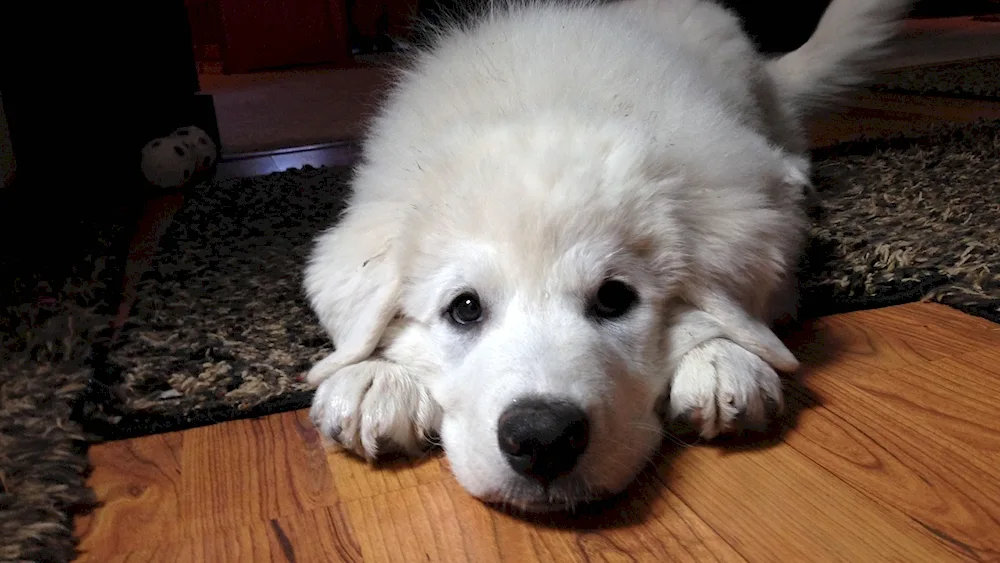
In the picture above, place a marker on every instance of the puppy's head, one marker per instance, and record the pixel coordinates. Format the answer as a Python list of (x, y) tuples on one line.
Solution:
[(548, 360), (544, 270)]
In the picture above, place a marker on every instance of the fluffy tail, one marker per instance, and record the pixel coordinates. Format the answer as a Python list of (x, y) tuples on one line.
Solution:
[(850, 37)]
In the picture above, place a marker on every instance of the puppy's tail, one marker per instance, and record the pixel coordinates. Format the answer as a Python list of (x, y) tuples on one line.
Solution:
[(850, 37)]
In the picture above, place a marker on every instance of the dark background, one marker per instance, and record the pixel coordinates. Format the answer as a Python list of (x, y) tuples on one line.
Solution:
[(776, 25), (85, 85), (783, 25)]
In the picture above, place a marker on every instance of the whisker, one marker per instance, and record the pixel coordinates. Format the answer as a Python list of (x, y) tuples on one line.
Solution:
[(676, 440)]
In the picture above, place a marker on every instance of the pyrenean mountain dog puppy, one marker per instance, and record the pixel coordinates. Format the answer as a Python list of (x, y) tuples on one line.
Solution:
[(572, 222)]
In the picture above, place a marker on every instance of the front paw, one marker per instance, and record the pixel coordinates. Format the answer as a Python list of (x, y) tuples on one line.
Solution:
[(375, 407), (719, 387)]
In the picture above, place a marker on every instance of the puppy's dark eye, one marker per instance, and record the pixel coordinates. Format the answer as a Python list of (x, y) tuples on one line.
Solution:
[(614, 299), (465, 309)]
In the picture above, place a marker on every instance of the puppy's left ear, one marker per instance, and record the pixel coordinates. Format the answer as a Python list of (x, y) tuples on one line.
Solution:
[(353, 283), (738, 325)]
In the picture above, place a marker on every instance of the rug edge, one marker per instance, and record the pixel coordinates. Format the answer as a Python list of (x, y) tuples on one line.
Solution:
[(142, 424)]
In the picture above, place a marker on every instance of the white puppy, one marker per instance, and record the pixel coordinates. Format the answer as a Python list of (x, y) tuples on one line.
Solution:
[(569, 218)]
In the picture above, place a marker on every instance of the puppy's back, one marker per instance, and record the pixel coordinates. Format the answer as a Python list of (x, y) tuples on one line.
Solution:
[(680, 71)]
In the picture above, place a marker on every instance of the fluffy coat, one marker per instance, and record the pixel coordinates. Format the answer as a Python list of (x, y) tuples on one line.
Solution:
[(529, 157)]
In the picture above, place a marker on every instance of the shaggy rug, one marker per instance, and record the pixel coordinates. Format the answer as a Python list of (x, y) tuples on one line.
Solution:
[(43, 455), (222, 331), (966, 79), (907, 219), (45, 349)]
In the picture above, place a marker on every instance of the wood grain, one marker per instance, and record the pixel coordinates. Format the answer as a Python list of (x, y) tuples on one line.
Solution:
[(880, 114), (889, 454)]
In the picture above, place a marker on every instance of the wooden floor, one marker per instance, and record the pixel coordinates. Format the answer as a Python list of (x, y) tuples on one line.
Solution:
[(891, 453)]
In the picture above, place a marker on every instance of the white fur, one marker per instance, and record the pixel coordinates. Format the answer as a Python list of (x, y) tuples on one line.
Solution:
[(530, 156)]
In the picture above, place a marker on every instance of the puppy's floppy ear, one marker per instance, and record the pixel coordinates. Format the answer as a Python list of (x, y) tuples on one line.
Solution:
[(738, 325), (353, 282)]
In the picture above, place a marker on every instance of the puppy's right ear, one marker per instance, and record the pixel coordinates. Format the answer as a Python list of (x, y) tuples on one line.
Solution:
[(353, 282)]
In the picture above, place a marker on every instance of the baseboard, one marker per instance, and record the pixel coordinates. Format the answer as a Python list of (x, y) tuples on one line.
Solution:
[(348, 146)]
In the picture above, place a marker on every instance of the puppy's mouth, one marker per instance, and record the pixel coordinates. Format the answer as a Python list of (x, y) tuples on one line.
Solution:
[(565, 495)]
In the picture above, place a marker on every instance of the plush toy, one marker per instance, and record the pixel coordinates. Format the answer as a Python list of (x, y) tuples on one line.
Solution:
[(200, 143), (171, 161), (168, 163)]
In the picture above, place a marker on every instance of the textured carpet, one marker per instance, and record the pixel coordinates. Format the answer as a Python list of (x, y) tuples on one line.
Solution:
[(968, 79), (43, 460), (903, 220), (43, 451), (222, 330)]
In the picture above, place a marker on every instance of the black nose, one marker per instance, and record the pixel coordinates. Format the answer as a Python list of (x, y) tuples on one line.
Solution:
[(543, 440)]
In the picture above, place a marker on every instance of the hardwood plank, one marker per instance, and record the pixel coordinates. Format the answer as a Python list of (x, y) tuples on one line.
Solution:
[(881, 459), (248, 542), (862, 345), (892, 337), (880, 114), (917, 316), (251, 470), (778, 505), (956, 433), (139, 483), (318, 535), (888, 432), (441, 522), (355, 478), (954, 109), (324, 534)]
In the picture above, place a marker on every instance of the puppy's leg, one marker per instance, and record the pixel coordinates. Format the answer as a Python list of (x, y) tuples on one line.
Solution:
[(381, 404), (717, 385)]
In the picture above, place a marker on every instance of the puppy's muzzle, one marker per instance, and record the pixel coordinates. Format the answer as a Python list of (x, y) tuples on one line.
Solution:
[(543, 439)]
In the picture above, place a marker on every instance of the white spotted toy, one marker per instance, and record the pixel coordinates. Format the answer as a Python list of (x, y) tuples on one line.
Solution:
[(168, 163), (200, 143), (171, 161)]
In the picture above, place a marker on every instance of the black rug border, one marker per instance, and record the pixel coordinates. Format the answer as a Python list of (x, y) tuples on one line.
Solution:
[(136, 425), (813, 305)]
